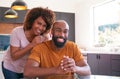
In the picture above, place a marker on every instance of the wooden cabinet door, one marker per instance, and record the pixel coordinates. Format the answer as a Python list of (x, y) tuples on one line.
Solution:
[(20, 19), (58, 15), (99, 64), (93, 63), (70, 18), (1, 14), (104, 65), (3, 19), (21, 16), (115, 61)]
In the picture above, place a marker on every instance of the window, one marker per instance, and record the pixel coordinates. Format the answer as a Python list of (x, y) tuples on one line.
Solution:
[(106, 22)]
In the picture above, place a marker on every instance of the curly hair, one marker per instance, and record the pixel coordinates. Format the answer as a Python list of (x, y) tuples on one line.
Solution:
[(47, 15)]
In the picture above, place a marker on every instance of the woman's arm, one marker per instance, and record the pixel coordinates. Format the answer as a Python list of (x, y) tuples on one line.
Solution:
[(17, 52)]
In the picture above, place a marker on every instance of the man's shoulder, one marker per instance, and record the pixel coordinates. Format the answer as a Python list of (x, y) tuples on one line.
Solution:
[(43, 43), (70, 42)]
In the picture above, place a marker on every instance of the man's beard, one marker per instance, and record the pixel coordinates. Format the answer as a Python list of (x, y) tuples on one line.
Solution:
[(58, 44)]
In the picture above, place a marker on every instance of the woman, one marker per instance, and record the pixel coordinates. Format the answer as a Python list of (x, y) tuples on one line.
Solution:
[(37, 24)]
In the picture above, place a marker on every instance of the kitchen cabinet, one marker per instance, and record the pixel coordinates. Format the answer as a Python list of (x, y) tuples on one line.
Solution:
[(20, 19), (2, 18), (115, 62), (4, 42), (21, 16), (99, 63), (70, 19)]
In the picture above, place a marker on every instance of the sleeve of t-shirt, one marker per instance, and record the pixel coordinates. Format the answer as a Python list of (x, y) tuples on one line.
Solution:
[(35, 54), (14, 39), (77, 54)]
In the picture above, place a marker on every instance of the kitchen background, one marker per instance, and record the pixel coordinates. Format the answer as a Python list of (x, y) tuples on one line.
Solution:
[(81, 8), (79, 14)]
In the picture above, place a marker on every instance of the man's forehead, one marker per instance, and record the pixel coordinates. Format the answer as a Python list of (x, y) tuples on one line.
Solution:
[(61, 25)]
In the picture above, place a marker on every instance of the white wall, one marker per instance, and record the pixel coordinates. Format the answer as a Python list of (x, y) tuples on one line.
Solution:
[(81, 8), (56, 5), (83, 22)]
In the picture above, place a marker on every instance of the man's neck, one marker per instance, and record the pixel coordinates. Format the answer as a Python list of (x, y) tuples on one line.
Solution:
[(54, 48)]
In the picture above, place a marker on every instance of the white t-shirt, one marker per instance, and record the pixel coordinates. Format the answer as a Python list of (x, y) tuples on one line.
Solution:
[(17, 39)]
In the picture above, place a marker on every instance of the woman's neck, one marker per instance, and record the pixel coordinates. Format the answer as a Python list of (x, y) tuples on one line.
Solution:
[(29, 35)]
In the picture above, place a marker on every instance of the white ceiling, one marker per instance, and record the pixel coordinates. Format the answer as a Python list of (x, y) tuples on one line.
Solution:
[(8, 2), (57, 5)]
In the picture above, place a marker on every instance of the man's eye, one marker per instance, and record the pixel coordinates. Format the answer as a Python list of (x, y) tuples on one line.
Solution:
[(66, 31), (58, 30)]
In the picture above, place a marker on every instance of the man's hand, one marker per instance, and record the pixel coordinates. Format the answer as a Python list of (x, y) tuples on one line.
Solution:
[(60, 71), (68, 64)]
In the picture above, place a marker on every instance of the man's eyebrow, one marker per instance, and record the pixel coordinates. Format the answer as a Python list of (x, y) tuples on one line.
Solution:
[(57, 28)]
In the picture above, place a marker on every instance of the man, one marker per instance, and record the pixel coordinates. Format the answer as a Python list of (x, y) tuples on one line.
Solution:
[(56, 58)]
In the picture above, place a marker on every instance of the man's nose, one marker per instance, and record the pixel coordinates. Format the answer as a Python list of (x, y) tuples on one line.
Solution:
[(62, 34)]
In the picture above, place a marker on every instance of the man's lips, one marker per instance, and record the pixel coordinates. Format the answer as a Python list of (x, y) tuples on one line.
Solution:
[(60, 40)]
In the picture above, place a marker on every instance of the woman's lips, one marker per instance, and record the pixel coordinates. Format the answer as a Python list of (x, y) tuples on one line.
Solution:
[(38, 31)]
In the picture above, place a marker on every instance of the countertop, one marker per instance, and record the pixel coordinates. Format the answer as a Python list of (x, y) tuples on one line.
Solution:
[(102, 77), (99, 52), (1, 52), (86, 52)]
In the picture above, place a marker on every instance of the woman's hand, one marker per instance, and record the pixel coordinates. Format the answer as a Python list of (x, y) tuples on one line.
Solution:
[(37, 40), (47, 36)]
